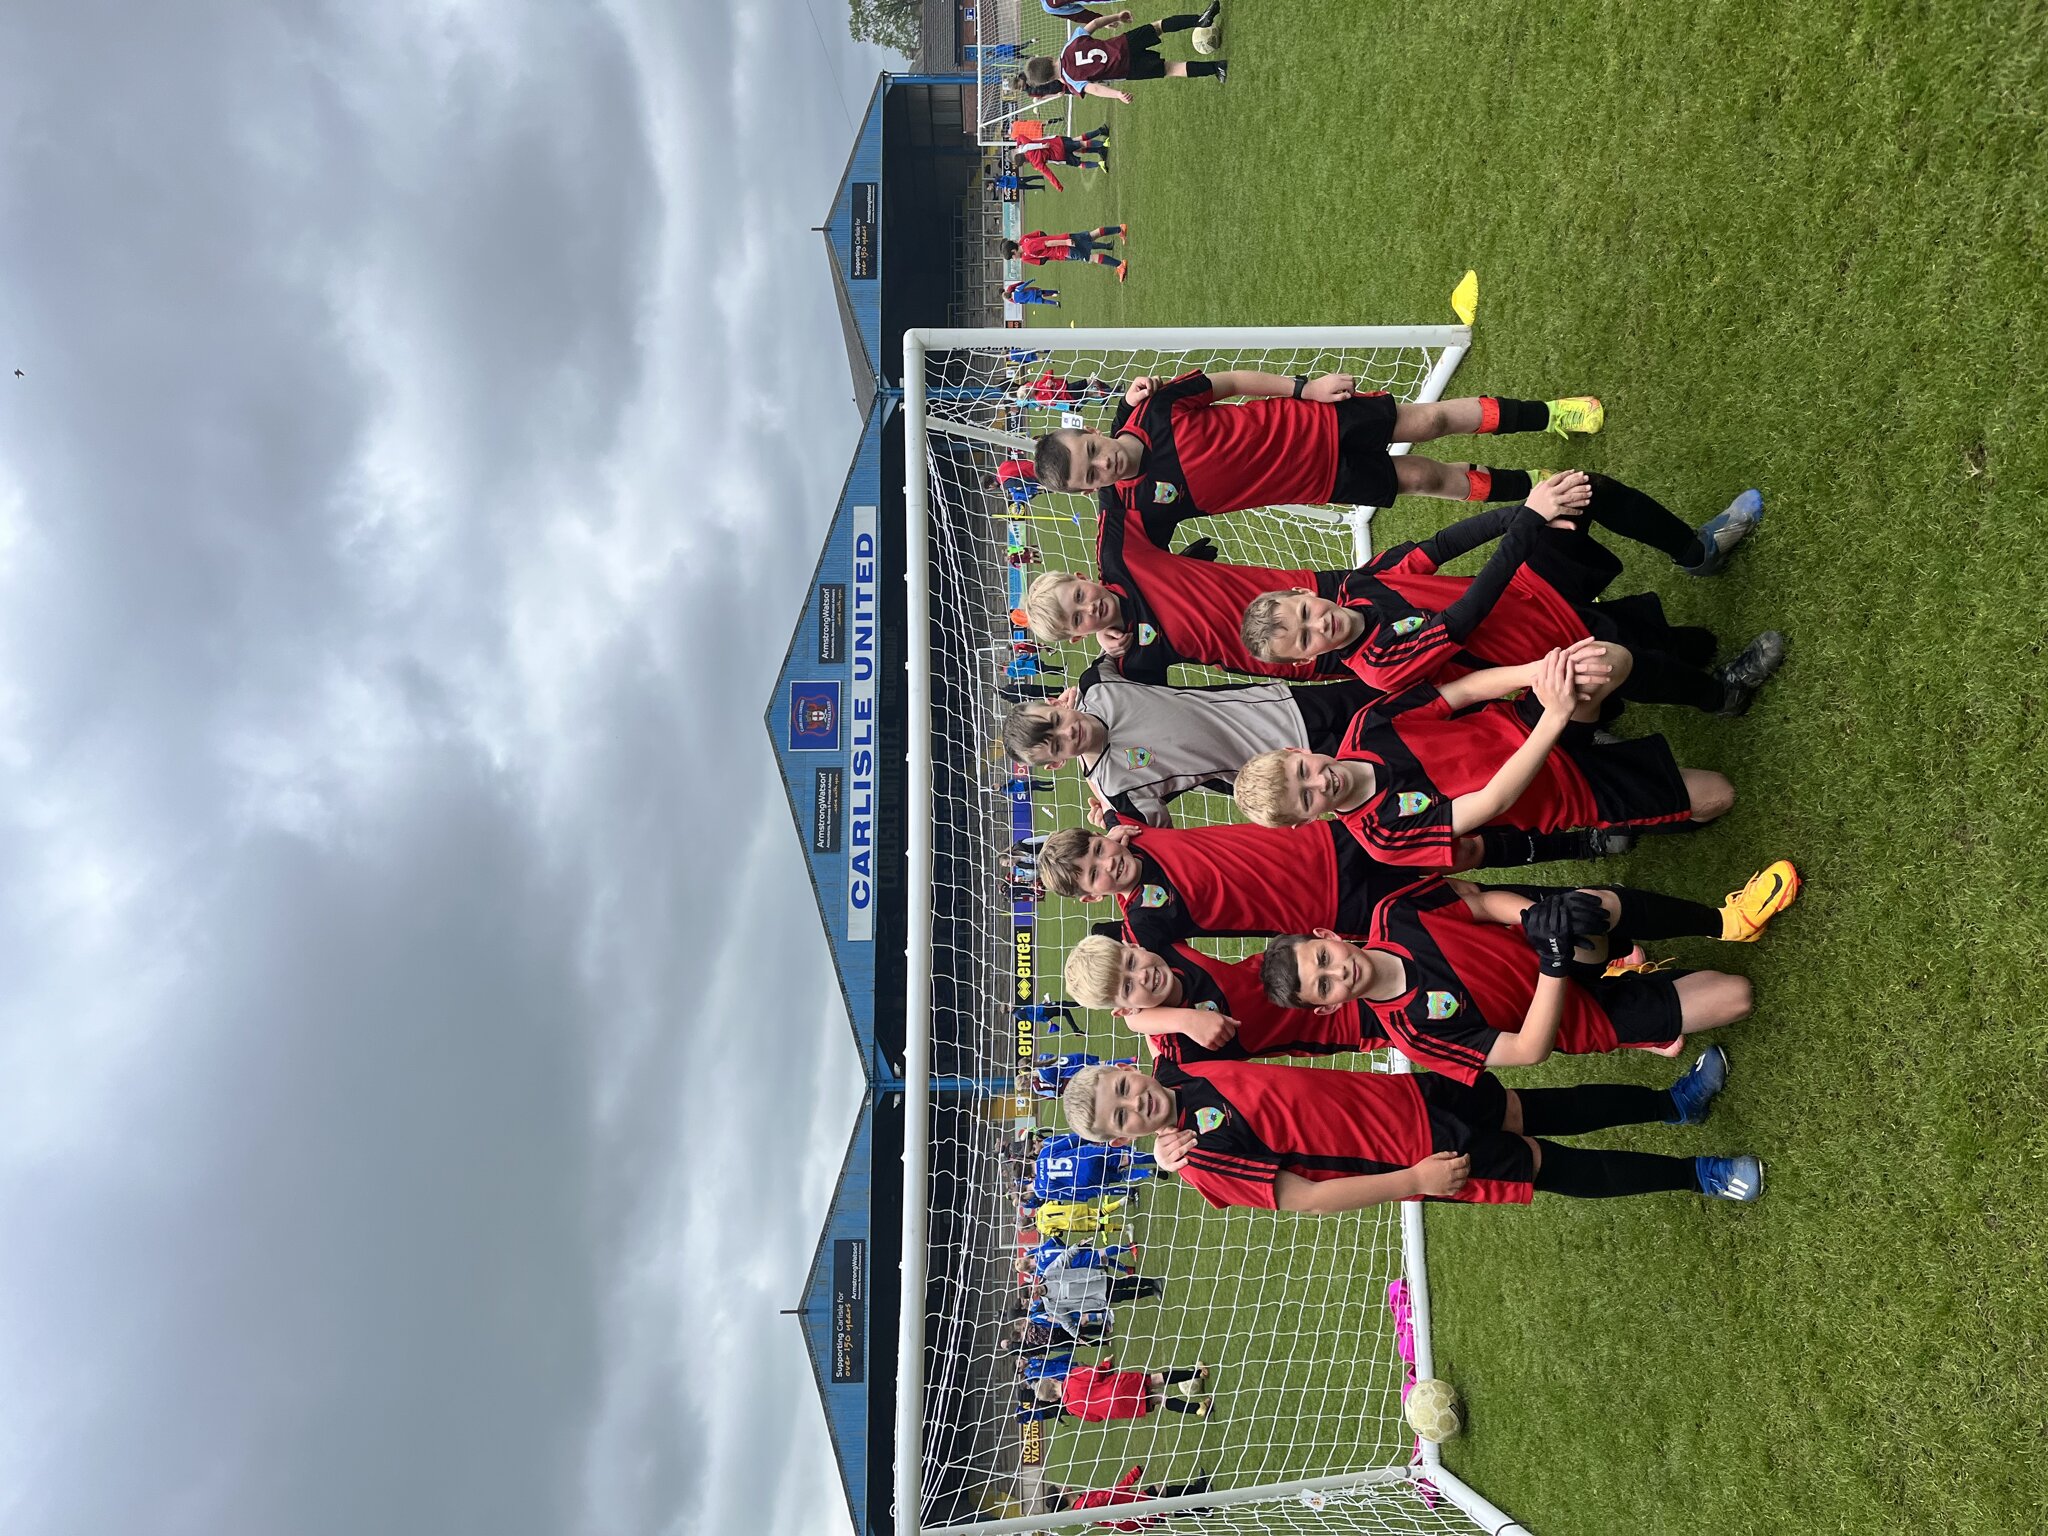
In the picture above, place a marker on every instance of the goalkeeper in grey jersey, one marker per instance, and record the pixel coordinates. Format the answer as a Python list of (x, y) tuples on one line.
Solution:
[(1142, 744)]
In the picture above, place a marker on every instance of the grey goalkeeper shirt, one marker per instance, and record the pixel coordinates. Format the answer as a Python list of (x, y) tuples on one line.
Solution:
[(1166, 741)]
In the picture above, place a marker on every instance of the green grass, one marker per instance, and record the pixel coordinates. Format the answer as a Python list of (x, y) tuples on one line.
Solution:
[(1800, 248)]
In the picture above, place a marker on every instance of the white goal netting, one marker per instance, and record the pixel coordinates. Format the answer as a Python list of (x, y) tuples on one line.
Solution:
[(1310, 1326)]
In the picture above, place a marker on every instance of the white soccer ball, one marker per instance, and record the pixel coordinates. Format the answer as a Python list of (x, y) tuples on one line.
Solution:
[(1206, 39), (1433, 1410)]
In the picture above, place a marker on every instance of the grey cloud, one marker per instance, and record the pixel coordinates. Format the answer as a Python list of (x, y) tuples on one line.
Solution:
[(352, 1230)]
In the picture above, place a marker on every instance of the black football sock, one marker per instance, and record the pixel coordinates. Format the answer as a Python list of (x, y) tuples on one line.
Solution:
[(1591, 1107), (1653, 915), (1183, 1404), (1690, 644), (1177, 1376), (1486, 484), (1634, 515), (1497, 413), (1660, 678), (1199, 68), (1179, 24), (1585, 1174), (1511, 845)]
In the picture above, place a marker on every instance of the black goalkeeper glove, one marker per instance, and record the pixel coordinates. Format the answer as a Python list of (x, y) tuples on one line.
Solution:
[(1554, 926), (1203, 548)]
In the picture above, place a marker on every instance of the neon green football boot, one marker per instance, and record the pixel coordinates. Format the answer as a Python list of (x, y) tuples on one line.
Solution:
[(1576, 413)]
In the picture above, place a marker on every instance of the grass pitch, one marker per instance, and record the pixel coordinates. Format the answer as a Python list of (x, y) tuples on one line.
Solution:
[(1800, 248)]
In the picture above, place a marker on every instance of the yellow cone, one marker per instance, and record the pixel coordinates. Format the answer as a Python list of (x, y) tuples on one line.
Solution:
[(1465, 297)]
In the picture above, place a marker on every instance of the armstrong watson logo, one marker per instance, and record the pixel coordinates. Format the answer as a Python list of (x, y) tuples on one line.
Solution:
[(814, 716)]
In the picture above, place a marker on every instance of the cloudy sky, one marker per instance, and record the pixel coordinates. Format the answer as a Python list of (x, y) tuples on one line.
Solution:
[(432, 412)]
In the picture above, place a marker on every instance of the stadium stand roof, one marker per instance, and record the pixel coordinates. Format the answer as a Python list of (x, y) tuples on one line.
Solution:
[(853, 244), (835, 724)]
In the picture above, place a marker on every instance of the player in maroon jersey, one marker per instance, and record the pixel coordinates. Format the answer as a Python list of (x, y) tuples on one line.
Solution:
[(1092, 58), (1395, 621), (1296, 1139), (1191, 1006), (1465, 977), (1298, 440), (1417, 773)]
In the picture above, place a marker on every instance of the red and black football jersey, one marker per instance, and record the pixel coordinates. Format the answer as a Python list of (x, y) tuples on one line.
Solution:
[(1406, 640), (1232, 988), (1469, 982), (1178, 608), (1230, 880), (1203, 458), (1254, 1121), (1424, 756)]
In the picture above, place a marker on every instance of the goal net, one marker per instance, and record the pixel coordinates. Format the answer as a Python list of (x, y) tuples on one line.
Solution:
[(1311, 1326), (1004, 34)]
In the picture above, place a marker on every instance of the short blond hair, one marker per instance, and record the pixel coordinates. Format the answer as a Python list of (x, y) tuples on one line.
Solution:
[(1261, 621), (1094, 970), (1265, 791), (1079, 1101), (1043, 607), (1057, 857)]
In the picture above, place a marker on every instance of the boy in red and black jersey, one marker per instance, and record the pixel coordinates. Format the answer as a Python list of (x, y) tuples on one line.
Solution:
[(1396, 620), (1419, 776), (1192, 1006), (1176, 882), (1296, 440), (1465, 977), (1153, 608), (1297, 1139)]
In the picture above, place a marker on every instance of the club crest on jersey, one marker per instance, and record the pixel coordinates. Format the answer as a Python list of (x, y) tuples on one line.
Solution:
[(1207, 1118), (1409, 625), (1211, 1006), (1412, 802), (1137, 757), (1441, 1005), (1146, 633), (1165, 492), (1154, 896)]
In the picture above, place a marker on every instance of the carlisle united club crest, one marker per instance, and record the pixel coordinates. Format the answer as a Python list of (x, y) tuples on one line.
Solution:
[(1441, 1005), (1207, 1118), (1137, 757), (1412, 802), (1409, 625), (1165, 492), (1146, 633), (1153, 896)]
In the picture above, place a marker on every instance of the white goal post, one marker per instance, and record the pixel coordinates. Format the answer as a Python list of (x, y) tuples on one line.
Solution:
[(1339, 1459)]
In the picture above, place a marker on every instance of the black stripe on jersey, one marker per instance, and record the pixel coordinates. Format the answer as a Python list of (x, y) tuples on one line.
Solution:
[(1139, 663), (1399, 926), (1342, 1165)]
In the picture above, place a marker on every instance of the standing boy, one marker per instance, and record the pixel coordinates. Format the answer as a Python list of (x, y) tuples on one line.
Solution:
[(1192, 1006), (1298, 440), (1299, 1139), (1093, 57), (1141, 745)]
